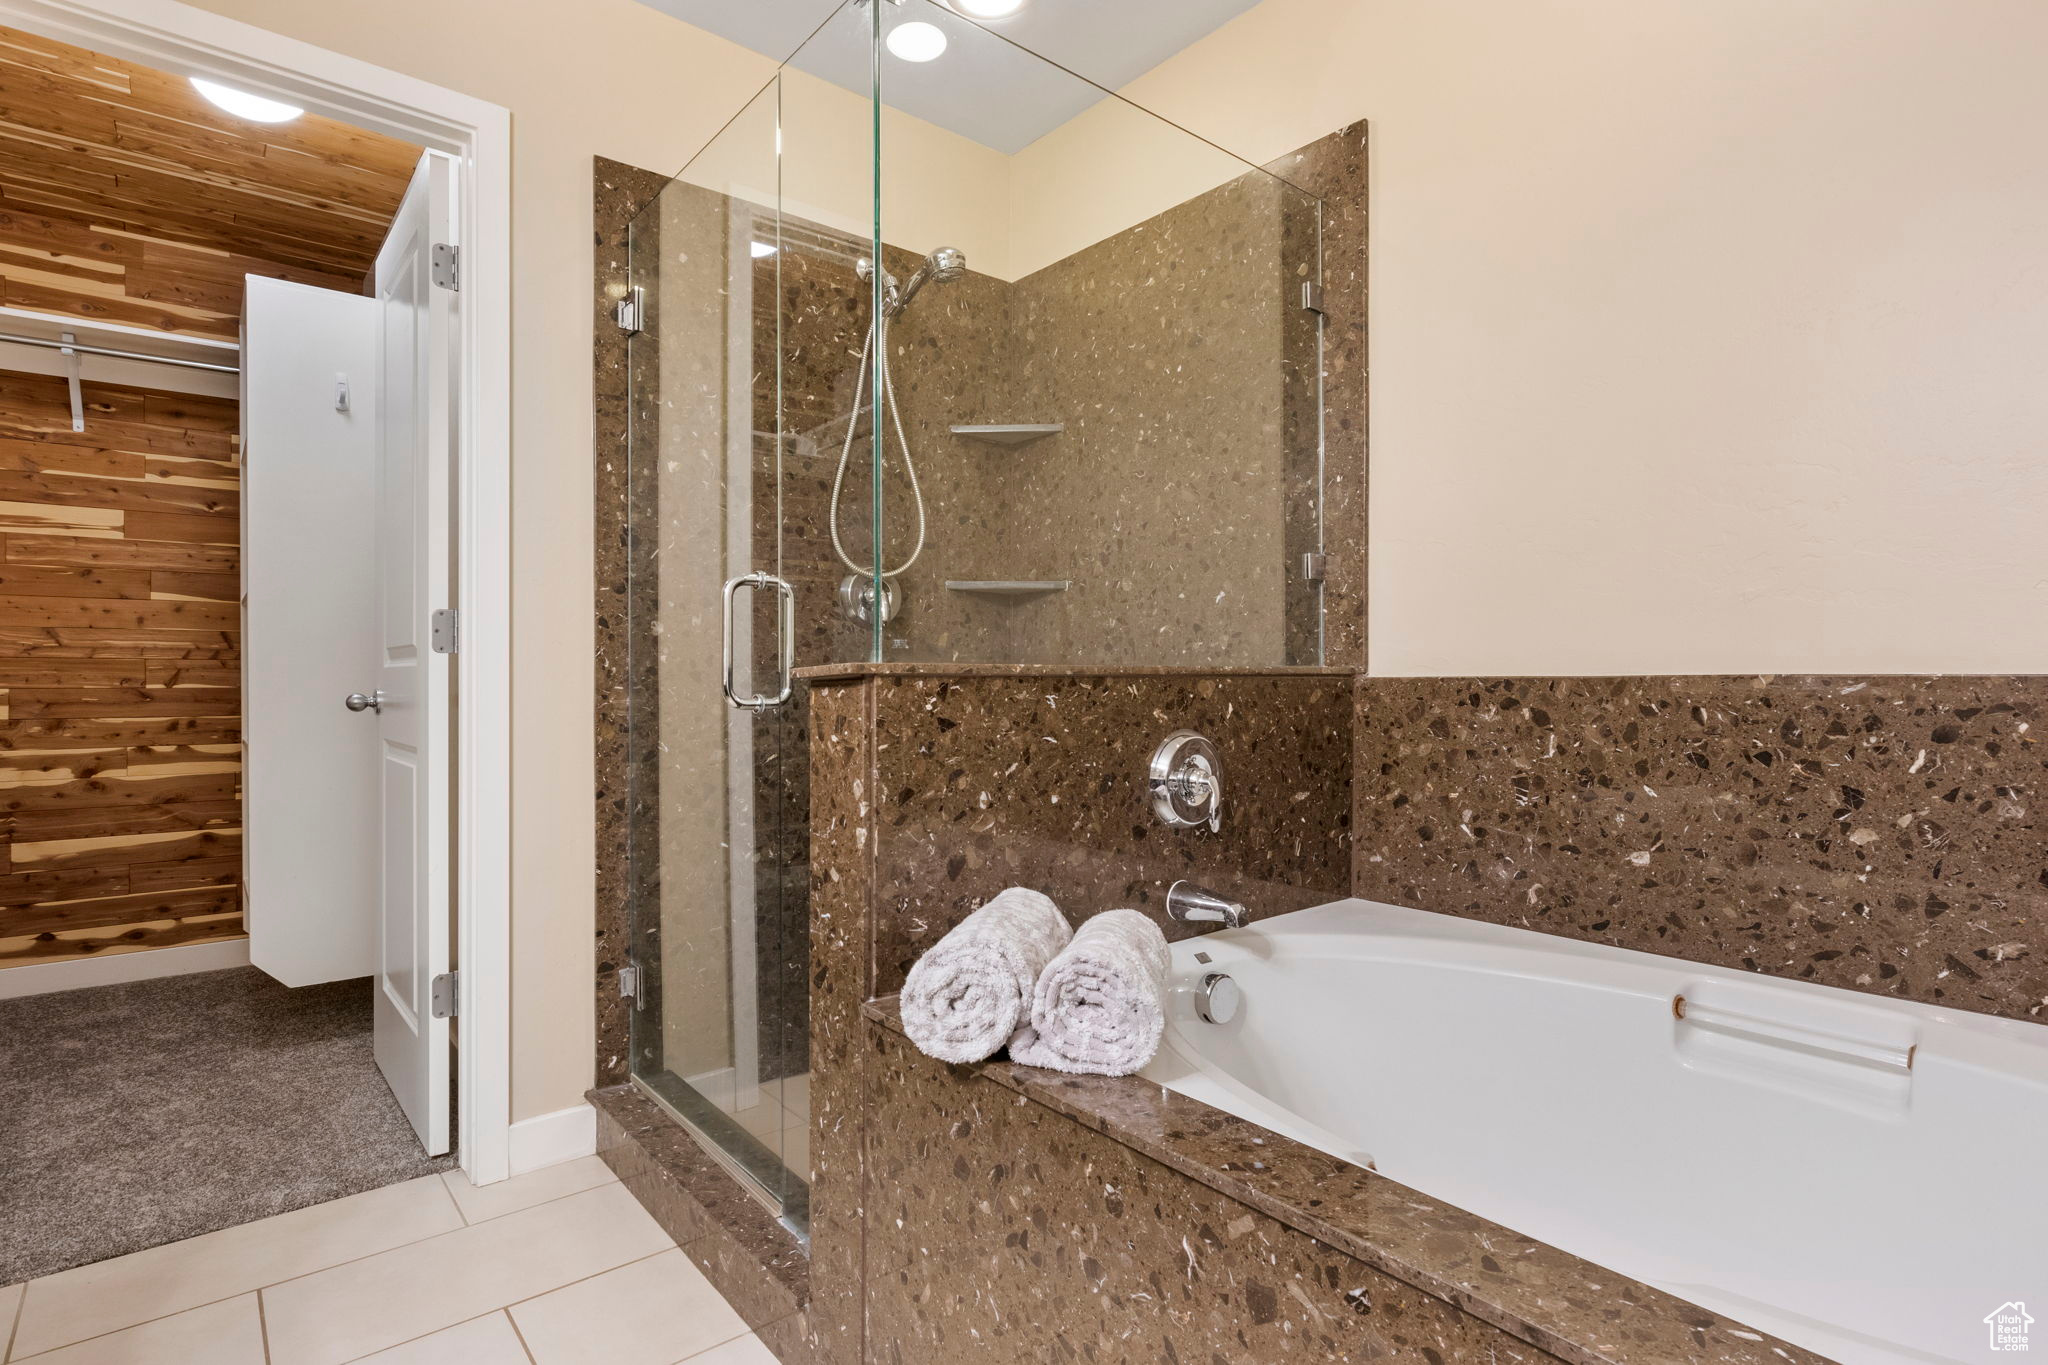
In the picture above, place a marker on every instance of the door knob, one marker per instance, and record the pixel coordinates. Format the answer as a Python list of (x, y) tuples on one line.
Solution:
[(365, 701)]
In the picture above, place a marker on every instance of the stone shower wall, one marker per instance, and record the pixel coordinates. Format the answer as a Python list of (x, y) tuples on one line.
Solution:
[(1877, 834), (1037, 778), (1165, 500), (1198, 450), (623, 569)]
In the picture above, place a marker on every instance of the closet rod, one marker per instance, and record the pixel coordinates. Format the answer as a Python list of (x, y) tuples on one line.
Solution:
[(84, 349)]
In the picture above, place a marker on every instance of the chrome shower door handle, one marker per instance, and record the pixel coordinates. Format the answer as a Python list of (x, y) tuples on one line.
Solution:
[(785, 639)]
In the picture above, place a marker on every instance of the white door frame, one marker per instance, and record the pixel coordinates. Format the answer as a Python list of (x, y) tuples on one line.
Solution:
[(188, 41)]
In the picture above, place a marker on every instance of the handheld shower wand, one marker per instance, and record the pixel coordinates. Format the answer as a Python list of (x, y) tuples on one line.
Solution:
[(944, 265)]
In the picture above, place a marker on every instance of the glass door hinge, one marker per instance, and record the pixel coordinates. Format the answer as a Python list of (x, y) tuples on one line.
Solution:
[(1315, 566), (629, 983), (1311, 297), (630, 312)]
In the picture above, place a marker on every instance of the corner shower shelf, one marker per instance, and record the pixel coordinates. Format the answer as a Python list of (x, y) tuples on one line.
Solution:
[(1009, 587), (1011, 434)]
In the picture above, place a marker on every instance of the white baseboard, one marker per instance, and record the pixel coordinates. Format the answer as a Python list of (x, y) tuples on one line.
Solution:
[(550, 1139), (112, 969)]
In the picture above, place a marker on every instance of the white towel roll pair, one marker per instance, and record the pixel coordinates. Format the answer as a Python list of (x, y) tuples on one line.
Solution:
[(1013, 973)]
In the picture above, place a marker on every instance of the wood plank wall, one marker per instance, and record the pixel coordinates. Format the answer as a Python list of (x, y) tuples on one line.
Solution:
[(120, 671), (126, 197)]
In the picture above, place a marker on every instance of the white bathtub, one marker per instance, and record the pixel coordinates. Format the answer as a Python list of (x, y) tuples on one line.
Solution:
[(1862, 1177)]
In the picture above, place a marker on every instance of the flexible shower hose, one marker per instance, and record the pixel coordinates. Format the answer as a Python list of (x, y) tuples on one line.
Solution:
[(876, 342)]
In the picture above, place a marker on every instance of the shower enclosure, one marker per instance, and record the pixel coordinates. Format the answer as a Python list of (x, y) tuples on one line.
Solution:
[(961, 361)]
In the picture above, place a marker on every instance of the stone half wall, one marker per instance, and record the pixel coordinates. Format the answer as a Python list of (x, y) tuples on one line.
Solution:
[(1014, 1215), (1878, 834)]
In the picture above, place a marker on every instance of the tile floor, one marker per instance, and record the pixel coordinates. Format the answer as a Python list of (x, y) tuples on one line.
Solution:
[(781, 1117), (559, 1267)]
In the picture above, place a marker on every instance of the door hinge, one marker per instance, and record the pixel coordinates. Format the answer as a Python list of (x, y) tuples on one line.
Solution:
[(631, 311), (445, 631), (1314, 566), (629, 982), (1311, 297), (447, 995), (447, 265)]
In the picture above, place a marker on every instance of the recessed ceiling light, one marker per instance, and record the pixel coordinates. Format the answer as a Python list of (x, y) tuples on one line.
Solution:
[(917, 41), (242, 104), (763, 249), (988, 9)]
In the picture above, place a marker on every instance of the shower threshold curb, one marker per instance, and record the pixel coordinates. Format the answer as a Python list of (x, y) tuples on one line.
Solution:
[(761, 1268)]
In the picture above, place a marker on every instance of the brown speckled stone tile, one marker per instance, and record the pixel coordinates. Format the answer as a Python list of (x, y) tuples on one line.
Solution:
[(620, 192), (1436, 1278), (1170, 351), (790, 1340), (983, 782), (1004, 1232), (850, 671), (1209, 364), (753, 1261), (1334, 169), (843, 840), (1881, 834)]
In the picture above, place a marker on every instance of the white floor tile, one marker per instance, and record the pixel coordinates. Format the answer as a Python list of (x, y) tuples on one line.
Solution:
[(488, 1340), (652, 1312), (524, 1191), (796, 1152), (763, 1119), (226, 1333), (747, 1350), (337, 1315), (95, 1299), (10, 1304)]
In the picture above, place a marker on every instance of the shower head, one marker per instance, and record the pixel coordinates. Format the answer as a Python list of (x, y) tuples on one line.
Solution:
[(945, 265)]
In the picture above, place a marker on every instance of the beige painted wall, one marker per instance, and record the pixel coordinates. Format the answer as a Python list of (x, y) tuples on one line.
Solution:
[(1106, 169), (939, 188), (1706, 337), (560, 69)]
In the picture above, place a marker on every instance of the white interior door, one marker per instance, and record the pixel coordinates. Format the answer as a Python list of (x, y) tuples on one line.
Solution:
[(416, 320), (309, 604)]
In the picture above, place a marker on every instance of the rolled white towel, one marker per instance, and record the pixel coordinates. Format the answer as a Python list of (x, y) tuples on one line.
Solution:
[(969, 992), (1100, 1006)]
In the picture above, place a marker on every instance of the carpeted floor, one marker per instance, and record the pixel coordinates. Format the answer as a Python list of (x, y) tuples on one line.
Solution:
[(145, 1113)]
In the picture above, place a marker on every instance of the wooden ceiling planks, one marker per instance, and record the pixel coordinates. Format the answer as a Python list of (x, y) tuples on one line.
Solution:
[(126, 197)]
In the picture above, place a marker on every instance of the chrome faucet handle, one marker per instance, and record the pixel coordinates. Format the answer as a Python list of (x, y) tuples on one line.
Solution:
[(1186, 782), (1191, 904)]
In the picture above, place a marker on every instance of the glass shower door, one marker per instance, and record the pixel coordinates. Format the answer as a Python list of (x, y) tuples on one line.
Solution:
[(1063, 412), (718, 826), (752, 542)]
